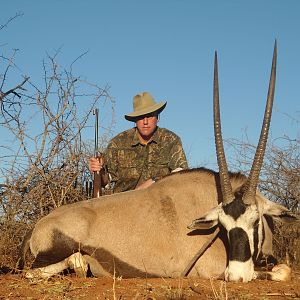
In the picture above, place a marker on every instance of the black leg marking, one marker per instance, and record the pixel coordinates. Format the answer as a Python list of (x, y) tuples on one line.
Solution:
[(65, 246), (114, 265)]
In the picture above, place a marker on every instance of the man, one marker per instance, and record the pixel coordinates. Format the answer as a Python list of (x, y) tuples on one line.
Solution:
[(137, 157)]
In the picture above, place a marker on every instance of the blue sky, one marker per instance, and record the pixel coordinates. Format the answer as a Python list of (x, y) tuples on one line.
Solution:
[(166, 47)]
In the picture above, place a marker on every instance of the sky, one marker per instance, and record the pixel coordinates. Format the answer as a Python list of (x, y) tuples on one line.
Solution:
[(166, 47)]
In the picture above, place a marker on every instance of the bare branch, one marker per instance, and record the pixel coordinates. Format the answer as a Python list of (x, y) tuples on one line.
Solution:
[(19, 14)]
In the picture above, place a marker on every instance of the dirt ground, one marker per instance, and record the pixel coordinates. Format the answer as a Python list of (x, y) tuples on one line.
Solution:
[(71, 287)]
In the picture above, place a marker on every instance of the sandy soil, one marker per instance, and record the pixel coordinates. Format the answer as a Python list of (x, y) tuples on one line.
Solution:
[(71, 287)]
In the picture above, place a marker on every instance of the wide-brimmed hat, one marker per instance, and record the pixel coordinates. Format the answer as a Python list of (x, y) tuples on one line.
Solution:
[(144, 104)]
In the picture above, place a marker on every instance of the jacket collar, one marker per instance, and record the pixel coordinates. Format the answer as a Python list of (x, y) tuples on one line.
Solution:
[(136, 140)]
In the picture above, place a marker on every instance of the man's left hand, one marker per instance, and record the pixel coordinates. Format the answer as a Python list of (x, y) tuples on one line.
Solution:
[(145, 184)]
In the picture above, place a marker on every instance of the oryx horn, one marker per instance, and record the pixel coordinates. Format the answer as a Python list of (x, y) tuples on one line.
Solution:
[(252, 182), (226, 188)]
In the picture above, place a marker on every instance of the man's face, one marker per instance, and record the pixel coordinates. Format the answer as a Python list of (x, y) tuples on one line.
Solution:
[(146, 125)]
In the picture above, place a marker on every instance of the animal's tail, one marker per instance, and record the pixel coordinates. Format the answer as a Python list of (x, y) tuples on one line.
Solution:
[(23, 250)]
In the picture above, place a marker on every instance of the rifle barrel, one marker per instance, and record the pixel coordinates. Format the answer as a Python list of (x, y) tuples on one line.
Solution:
[(97, 191)]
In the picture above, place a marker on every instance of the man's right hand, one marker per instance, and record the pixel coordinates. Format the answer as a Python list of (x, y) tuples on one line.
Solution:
[(96, 164)]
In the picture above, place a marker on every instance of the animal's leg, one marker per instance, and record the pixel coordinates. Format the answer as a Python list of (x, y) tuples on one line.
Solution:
[(280, 272), (95, 267), (48, 271), (77, 262)]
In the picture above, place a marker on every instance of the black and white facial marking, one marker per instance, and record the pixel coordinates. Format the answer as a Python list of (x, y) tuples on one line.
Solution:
[(244, 227), (242, 223)]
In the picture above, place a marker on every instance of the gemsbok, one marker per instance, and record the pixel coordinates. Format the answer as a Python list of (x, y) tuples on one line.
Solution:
[(144, 232)]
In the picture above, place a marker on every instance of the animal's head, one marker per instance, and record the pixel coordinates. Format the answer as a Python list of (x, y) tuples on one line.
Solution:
[(240, 213)]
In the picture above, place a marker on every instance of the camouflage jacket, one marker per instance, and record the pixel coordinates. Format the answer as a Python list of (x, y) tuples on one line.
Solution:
[(130, 163)]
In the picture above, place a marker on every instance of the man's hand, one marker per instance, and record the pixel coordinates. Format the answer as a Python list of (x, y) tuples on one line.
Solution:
[(145, 184), (96, 164)]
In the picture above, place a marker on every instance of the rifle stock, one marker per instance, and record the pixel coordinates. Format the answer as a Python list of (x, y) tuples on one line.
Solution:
[(97, 190)]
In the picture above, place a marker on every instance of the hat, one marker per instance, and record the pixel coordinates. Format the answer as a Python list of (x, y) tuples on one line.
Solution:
[(144, 104)]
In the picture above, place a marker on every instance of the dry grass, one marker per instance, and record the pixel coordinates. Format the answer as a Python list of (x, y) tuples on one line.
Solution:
[(286, 244)]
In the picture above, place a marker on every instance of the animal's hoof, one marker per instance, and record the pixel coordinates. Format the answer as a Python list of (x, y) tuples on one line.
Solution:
[(282, 272), (80, 272), (77, 262), (35, 273)]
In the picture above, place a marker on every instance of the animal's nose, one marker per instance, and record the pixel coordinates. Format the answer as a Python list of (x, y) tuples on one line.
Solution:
[(239, 271), (236, 279)]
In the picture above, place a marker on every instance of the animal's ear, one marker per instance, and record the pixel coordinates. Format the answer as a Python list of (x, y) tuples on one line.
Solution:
[(209, 220), (280, 213)]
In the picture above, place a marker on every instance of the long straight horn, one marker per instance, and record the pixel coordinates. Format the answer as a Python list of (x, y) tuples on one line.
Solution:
[(252, 182), (223, 169)]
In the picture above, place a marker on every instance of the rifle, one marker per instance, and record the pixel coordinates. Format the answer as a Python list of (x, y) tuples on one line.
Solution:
[(97, 191)]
